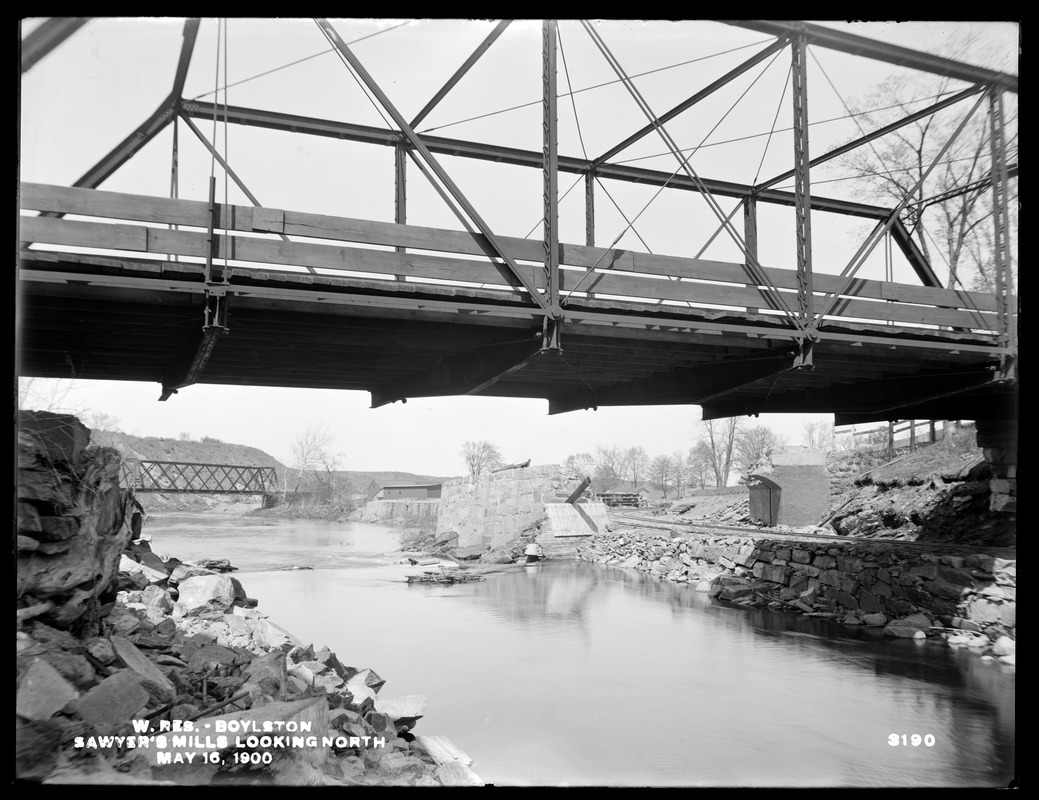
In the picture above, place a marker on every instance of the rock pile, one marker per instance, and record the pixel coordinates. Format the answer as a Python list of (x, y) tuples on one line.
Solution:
[(167, 659), (969, 600), (126, 663)]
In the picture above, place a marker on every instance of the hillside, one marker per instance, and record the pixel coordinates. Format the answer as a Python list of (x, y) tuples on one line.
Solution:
[(210, 451), (939, 493), (362, 479), (350, 486)]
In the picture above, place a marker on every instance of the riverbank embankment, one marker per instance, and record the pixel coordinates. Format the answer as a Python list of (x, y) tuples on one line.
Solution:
[(969, 600), (132, 668)]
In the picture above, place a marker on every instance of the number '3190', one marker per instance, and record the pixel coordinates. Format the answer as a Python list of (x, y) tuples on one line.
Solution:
[(896, 740)]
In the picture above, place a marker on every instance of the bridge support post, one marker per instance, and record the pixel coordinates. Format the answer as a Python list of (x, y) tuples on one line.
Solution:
[(550, 167), (803, 199), (1001, 268), (997, 439), (750, 225), (400, 195)]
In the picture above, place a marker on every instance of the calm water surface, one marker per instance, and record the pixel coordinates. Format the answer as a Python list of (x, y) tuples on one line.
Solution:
[(577, 674)]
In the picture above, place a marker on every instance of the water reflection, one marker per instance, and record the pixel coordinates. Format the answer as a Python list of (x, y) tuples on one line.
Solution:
[(579, 674), (926, 687)]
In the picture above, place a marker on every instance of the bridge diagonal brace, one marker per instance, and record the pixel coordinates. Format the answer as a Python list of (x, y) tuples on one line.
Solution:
[(49, 35), (691, 385), (420, 149), (467, 373)]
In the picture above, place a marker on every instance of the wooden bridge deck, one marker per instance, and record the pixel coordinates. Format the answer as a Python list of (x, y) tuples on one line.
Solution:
[(114, 286)]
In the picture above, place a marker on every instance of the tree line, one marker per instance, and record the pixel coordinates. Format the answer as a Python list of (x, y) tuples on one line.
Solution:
[(722, 449)]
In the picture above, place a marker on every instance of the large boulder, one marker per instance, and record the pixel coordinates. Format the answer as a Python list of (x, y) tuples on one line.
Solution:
[(206, 593), (909, 627), (70, 531)]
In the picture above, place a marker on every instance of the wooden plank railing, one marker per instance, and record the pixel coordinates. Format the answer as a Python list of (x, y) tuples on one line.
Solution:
[(623, 274)]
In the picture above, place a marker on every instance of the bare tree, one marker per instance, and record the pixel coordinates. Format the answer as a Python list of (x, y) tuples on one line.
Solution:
[(679, 462), (700, 463), (721, 437), (326, 471), (609, 465), (48, 394), (637, 460), (100, 421), (580, 463), (662, 472), (309, 449), (752, 445), (955, 200), (818, 435), (480, 456)]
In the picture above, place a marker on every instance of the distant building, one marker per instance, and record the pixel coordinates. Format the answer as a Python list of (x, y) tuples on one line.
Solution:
[(613, 499), (373, 490), (418, 491)]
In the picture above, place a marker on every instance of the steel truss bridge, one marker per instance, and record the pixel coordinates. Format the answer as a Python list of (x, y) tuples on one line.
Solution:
[(204, 292), (181, 477)]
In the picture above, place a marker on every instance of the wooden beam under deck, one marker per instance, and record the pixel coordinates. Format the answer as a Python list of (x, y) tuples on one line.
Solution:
[(125, 316)]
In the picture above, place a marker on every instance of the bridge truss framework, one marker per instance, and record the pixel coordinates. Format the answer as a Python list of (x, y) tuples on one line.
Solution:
[(803, 312)]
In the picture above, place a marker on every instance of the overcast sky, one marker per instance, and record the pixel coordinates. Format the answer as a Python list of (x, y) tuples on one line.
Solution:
[(98, 86)]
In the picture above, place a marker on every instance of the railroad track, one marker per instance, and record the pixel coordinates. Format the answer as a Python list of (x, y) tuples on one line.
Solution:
[(754, 532)]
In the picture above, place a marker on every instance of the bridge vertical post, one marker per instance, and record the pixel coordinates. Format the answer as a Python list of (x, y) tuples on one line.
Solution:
[(750, 232), (802, 195), (400, 195), (589, 209), (174, 176), (1001, 267), (750, 225), (550, 167)]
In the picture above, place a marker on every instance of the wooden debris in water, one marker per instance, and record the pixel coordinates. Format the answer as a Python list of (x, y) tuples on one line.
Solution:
[(441, 577)]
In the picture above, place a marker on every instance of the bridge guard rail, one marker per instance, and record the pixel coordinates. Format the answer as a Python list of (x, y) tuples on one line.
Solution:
[(254, 250)]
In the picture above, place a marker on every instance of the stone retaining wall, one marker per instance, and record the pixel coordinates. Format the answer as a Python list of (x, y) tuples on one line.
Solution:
[(498, 507), (407, 510), (848, 580)]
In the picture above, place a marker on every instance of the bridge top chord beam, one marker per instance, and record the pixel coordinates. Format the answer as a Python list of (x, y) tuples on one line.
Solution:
[(854, 44)]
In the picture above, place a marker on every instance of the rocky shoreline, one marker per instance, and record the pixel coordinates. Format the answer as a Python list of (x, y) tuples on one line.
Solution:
[(967, 601), (133, 669), (181, 657)]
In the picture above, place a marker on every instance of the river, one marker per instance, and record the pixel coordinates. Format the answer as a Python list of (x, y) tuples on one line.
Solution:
[(569, 673)]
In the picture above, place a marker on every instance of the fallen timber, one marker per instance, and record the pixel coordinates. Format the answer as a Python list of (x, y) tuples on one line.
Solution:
[(444, 577)]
